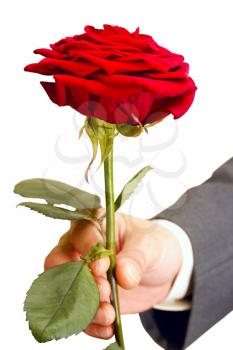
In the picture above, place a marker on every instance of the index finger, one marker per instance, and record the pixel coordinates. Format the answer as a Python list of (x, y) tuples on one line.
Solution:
[(83, 235)]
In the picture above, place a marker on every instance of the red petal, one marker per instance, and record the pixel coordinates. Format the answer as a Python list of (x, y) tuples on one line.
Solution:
[(177, 106), (56, 92), (50, 66), (180, 73), (112, 67), (38, 68), (86, 43), (80, 100), (95, 87), (100, 36), (181, 104), (163, 88), (50, 53), (137, 105)]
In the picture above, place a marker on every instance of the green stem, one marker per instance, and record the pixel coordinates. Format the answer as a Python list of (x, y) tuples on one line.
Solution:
[(111, 244)]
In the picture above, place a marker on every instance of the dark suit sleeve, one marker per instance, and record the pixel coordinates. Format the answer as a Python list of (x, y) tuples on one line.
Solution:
[(206, 214)]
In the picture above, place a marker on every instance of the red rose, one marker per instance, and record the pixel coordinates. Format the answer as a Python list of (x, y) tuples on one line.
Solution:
[(116, 76)]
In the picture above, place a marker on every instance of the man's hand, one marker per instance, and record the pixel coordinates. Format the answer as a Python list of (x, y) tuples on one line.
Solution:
[(148, 261)]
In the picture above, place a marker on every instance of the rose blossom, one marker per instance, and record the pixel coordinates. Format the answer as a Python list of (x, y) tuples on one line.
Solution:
[(116, 76)]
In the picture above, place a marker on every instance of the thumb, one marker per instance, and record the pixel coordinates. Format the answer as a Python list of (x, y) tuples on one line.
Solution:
[(129, 269), (138, 254)]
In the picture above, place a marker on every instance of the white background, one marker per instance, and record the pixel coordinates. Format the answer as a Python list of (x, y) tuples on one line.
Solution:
[(39, 139)]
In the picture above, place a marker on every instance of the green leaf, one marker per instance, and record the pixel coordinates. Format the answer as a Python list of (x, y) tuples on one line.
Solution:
[(113, 346), (131, 185), (62, 301), (56, 192), (56, 212)]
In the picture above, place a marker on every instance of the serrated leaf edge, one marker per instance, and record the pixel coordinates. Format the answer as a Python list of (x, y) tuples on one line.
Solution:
[(141, 173)]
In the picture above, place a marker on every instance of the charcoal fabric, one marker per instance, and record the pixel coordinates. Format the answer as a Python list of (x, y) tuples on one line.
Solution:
[(206, 214)]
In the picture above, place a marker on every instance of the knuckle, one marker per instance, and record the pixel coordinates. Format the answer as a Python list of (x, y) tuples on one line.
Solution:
[(108, 314), (99, 331), (104, 288), (100, 266)]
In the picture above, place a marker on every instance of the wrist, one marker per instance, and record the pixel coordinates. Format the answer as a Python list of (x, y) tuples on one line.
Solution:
[(173, 253), (176, 299)]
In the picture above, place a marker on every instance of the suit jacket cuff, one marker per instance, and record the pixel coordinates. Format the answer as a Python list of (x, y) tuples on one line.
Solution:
[(176, 301)]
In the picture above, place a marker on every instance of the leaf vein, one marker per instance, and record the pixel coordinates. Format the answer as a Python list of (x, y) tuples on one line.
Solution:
[(62, 301)]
